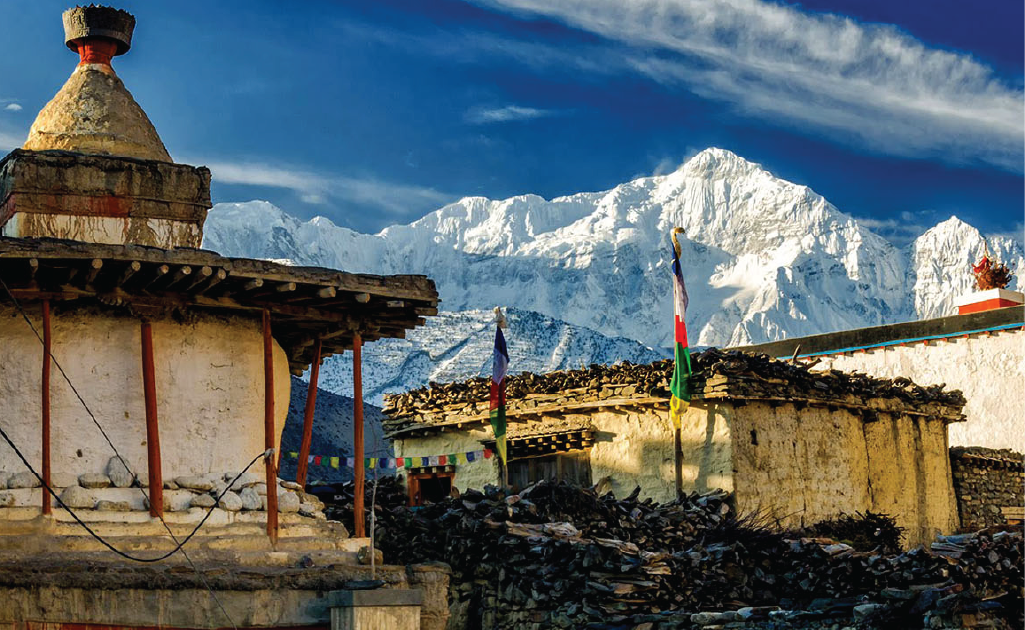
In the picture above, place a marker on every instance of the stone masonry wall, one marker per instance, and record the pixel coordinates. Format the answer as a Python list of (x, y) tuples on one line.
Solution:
[(988, 485)]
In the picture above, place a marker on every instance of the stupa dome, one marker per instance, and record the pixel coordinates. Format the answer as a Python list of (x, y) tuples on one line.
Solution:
[(94, 113)]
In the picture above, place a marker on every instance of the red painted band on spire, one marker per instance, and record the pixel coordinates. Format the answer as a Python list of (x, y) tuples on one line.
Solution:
[(95, 50)]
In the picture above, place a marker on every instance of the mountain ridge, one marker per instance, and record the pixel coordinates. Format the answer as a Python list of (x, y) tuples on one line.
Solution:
[(764, 258)]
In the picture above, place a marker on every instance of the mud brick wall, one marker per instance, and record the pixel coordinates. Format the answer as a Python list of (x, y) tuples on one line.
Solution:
[(988, 485)]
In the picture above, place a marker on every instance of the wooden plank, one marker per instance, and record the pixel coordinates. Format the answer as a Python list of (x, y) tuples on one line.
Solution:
[(396, 286), (94, 269), (130, 270)]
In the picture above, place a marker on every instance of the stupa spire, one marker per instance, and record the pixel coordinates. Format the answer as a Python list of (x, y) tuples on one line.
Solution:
[(98, 33), (94, 113), (93, 168)]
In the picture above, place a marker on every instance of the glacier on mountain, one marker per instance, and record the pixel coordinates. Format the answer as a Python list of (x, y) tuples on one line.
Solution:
[(763, 259)]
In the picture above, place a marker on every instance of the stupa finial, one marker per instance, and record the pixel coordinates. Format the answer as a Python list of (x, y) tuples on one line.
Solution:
[(98, 33)]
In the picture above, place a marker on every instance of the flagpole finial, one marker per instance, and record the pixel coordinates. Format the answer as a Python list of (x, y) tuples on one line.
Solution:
[(500, 318), (676, 243)]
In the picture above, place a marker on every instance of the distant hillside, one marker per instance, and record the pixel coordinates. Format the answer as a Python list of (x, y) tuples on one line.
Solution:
[(332, 432)]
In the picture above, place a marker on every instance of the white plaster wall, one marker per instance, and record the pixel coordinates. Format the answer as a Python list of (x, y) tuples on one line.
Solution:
[(209, 382), (475, 474), (635, 448), (631, 448), (990, 370), (163, 233)]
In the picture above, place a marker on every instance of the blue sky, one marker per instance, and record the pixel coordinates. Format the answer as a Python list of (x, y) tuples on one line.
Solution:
[(373, 113)]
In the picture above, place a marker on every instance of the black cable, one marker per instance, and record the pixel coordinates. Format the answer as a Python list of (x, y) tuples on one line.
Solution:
[(67, 379), (179, 546), (106, 544)]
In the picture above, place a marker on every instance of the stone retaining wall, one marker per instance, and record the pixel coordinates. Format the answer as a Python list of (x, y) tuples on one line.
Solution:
[(988, 485), (113, 491)]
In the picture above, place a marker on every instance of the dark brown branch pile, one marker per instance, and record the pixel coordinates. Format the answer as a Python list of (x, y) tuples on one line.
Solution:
[(989, 275), (729, 372), (563, 556)]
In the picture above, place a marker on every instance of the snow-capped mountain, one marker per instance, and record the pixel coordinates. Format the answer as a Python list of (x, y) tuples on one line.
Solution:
[(939, 259), (456, 346), (763, 259)]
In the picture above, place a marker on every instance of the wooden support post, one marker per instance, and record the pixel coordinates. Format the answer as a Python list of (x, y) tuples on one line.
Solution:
[(47, 509), (149, 388), (268, 429), (678, 456), (357, 433), (311, 404)]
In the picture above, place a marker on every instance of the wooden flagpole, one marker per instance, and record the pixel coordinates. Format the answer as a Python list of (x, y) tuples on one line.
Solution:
[(677, 438)]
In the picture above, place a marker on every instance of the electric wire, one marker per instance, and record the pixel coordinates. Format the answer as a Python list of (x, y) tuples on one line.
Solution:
[(179, 545), (92, 533)]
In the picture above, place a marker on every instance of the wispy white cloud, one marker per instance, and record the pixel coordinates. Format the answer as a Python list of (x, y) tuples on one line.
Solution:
[(319, 188), (13, 107), (866, 84), (508, 113)]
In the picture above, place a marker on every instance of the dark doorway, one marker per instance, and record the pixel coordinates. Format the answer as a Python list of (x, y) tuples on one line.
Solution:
[(429, 487)]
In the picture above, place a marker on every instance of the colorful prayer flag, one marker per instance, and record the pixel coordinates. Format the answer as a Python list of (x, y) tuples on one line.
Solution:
[(499, 367), (334, 462), (679, 386), (487, 453)]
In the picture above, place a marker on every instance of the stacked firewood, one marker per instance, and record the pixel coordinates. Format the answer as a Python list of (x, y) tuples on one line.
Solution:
[(716, 374), (562, 556)]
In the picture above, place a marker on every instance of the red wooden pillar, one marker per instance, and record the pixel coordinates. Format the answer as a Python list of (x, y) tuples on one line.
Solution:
[(357, 432), (311, 404), (149, 388), (47, 509), (268, 429)]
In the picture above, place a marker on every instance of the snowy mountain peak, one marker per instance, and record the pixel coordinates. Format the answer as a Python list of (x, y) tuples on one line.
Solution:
[(719, 163), (763, 258), (942, 258)]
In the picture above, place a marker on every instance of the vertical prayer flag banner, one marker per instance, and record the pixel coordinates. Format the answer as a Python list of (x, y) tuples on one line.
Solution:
[(679, 386), (499, 367)]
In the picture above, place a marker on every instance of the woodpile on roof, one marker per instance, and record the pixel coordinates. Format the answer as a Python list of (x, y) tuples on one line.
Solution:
[(305, 303), (718, 375)]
